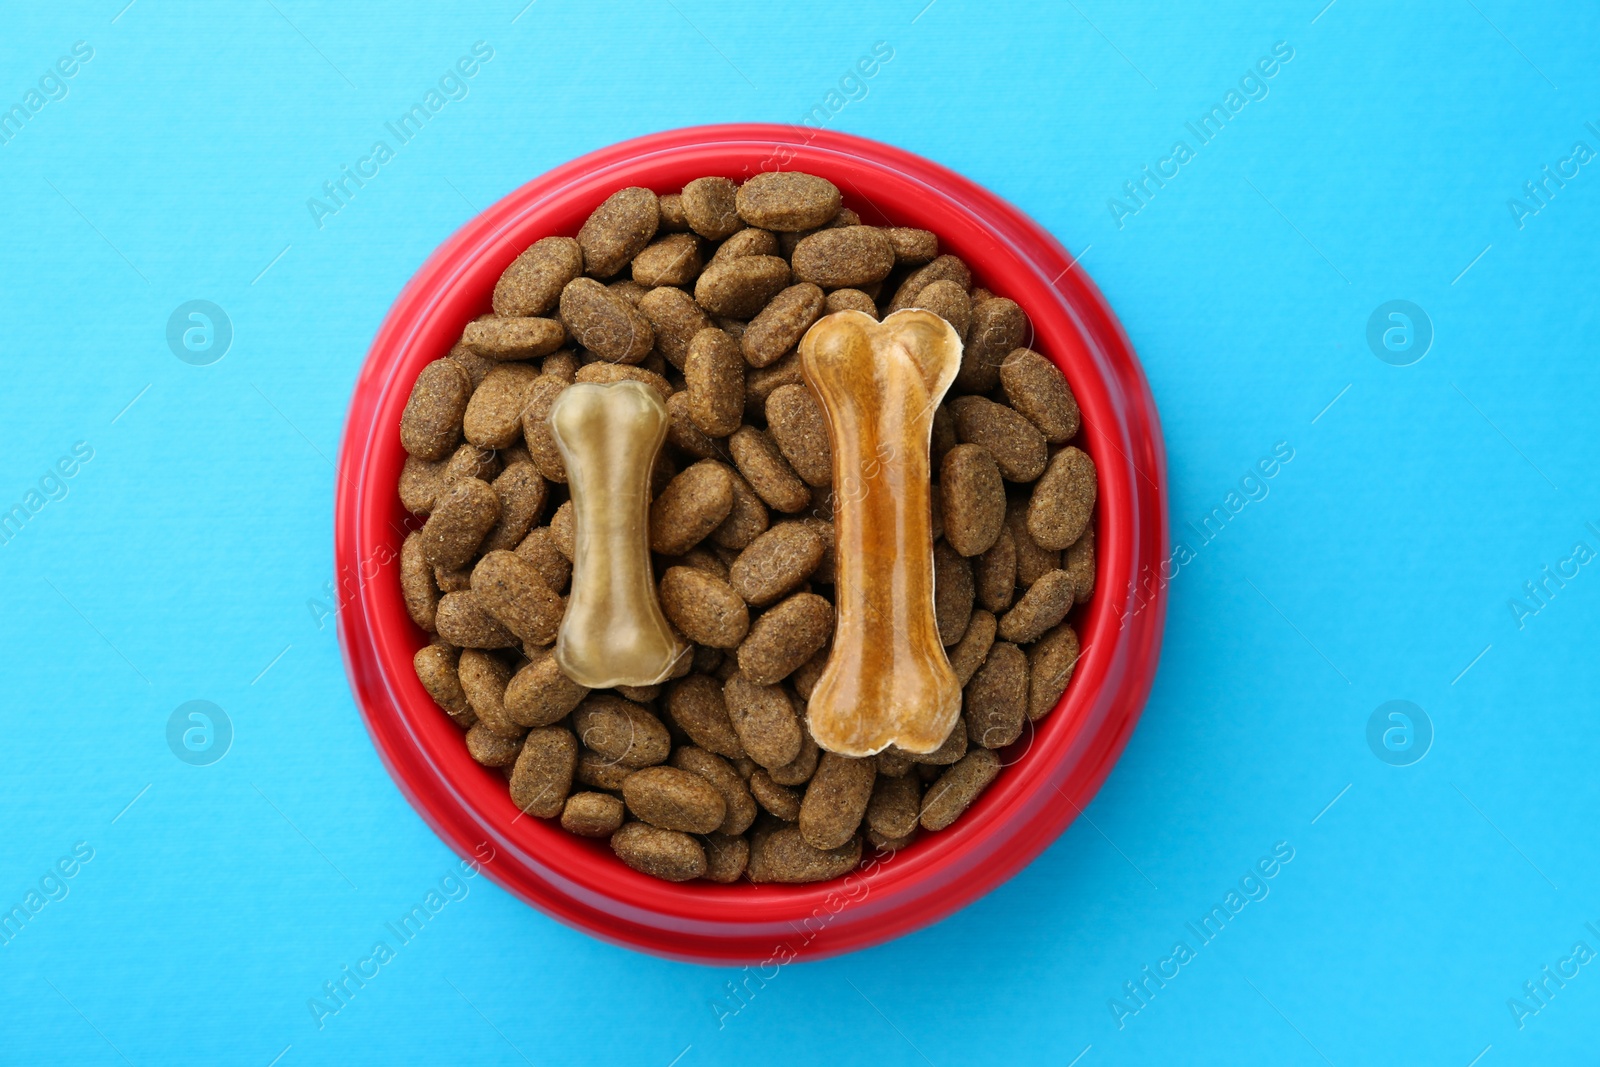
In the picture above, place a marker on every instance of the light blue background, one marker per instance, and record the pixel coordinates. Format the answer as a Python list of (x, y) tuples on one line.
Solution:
[(189, 556)]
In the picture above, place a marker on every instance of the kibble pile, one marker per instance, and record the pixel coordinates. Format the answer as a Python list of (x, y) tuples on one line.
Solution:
[(703, 296)]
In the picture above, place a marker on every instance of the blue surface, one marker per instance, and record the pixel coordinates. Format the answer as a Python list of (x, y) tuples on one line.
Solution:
[(190, 557)]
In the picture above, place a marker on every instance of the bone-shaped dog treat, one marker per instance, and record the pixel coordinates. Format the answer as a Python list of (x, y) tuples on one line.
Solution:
[(614, 632), (887, 680)]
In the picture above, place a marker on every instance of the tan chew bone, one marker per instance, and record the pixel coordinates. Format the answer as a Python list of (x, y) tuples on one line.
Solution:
[(614, 632), (887, 680)]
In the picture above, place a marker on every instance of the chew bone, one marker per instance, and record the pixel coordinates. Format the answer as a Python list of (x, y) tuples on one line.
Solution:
[(614, 632), (887, 680)]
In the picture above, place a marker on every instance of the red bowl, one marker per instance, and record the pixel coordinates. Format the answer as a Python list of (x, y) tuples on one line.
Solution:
[(1050, 774)]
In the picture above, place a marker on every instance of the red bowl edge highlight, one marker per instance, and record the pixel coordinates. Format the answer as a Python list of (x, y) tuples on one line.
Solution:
[(1050, 774)]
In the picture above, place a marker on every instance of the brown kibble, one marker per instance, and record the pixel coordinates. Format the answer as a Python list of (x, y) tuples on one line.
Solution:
[(541, 444), (889, 844), (762, 382), (784, 637), (944, 268), (463, 621), (539, 549), (747, 242), (781, 323), (436, 670), (533, 282), (461, 517), (769, 474), (800, 769), (483, 678), (1080, 565), (952, 593), (618, 230), (562, 533), (958, 787), (1033, 561), (776, 562), (704, 608), (710, 207), (1037, 388), (783, 855), (673, 219), (968, 654), (726, 857), (741, 286), (953, 748), (493, 417), (416, 583), (1046, 603), (672, 260), (781, 800), (895, 806), (522, 493), (509, 588), (674, 800), (747, 520), (540, 695), (622, 731), (670, 855), (996, 700), (430, 426), (795, 421), (693, 505), (683, 433), (994, 573), (849, 300), (513, 338), (605, 322), (836, 800), (765, 720), (475, 365), (1017, 446), (948, 300), (562, 365), (912, 248), (452, 581), (787, 201), (998, 327), (739, 806), (714, 371), (675, 318), (592, 814), (607, 373), (696, 706), (1063, 500), (943, 436), (598, 772), (972, 499), (639, 694), (845, 258), (1051, 662), (492, 749)]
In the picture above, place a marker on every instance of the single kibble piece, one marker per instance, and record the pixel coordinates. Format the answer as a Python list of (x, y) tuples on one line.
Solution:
[(494, 414), (692, 505), (542, 777), (605, 322), (522, 492), (784, 637), (475, 365), (670, 855), (740, 287), (697, 707), (968, 654), (562, 534), (1033, 560), (739, 806), (765, 720), (461, 517), (776, 562), (944, 268), (998, 327), (540, 695), (539, 548), (672, 260), (850, 300), (958, 787), (618, 230), (836, 800), (1037, 388), (1046, 603), (511, 590), (436, 670), (747, 242), (844, 258), (783, 855), (464, 622), (953, 593), (1079, 564), (430, 426), (714, 371), (601, 373), (996, 700), (710, 207), (800, 769), (513, 338), (895, 805), (492, 749), (704, 608), (682, 432), (780, 800), (787, 201), (994, 573), (621, 731), (912, 248), (533, 282), (973, 499), (747, 519), (1051, 662), (887, 680), (949, 301), (614, 632), (673, 220), (674, 800), (541, 444), (1017, 446), (675, 319), (781, 324), (592, 814), (598, 772), (726, 857), (483, 679), (1063, 500), (797, 426), (416, 583), (769, 474)]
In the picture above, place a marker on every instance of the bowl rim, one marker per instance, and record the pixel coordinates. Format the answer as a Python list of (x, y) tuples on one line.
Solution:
[(579, 882)]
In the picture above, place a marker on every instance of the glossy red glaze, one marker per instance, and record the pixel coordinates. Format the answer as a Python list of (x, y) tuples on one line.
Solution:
[(1051, 774)]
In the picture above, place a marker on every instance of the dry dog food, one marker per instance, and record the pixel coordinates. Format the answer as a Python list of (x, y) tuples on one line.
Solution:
[(705, 767)]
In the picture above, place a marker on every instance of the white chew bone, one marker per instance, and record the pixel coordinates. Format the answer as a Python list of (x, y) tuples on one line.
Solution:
[(614, 632)]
